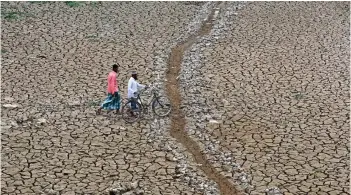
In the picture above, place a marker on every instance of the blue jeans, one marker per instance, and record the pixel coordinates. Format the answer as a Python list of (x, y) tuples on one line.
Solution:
[(133, 104)]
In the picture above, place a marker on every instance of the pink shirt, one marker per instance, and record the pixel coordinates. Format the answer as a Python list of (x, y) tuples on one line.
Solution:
[(112, 85)]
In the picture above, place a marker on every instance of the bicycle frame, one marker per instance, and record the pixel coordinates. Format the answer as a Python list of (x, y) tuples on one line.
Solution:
[(154, 100), (154, 97)]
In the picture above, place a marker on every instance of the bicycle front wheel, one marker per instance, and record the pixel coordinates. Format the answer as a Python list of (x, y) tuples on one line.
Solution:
[(161, 106), (131, 111)]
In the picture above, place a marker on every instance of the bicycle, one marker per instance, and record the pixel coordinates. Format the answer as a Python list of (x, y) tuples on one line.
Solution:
[(160, 106)]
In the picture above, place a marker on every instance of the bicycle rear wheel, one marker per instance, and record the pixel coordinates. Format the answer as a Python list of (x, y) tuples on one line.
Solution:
[(130, 114), (161, 106)]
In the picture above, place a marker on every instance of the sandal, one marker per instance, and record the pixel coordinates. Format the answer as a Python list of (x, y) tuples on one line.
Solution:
[(98, 112)]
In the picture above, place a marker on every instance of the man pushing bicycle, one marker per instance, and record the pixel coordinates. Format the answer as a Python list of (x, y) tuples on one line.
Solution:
[(134, 108), (133, 88)]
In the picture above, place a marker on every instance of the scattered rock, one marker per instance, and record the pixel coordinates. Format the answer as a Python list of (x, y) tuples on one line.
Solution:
[(213, 121), (10, 105), (41, 121), (273, 191)]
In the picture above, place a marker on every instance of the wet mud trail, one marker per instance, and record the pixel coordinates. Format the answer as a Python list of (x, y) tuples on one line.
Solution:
[(178, 121)]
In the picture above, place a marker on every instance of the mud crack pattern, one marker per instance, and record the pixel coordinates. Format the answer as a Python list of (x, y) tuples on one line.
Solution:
[(269, 89)]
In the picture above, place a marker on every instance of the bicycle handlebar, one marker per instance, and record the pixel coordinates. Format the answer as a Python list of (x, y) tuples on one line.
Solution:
[(153, 86), (150, 86)]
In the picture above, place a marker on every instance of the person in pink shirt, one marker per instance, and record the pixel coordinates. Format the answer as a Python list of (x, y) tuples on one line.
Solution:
[(112, 101)]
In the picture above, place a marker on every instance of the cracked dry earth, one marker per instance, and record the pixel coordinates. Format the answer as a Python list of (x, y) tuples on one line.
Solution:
[(268, 89), (55, 60), (265, 95)]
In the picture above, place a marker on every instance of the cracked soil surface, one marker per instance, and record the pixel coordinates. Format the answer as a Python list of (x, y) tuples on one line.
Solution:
[(264, 94)]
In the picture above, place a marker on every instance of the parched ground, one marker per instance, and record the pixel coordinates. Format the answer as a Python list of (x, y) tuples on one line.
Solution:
[(272, 87), (266, 96), (55, 61)]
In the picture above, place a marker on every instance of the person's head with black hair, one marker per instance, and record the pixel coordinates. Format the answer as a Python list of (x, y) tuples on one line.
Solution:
[(115, 67)]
